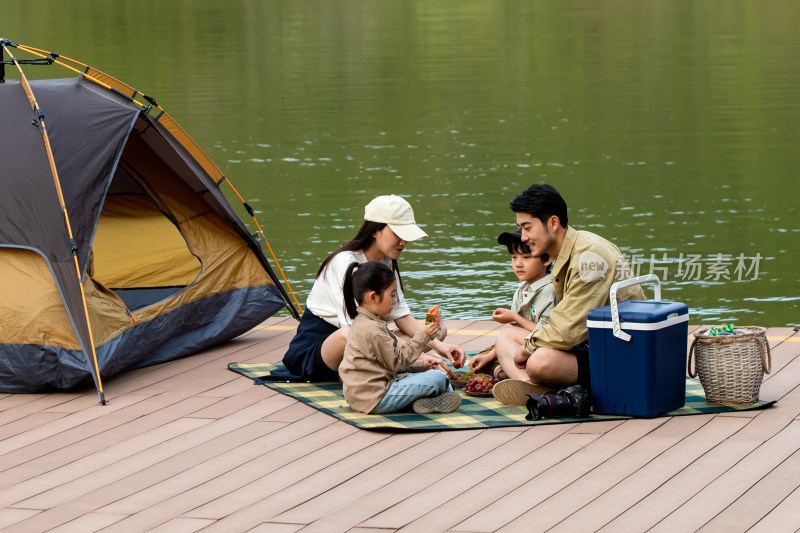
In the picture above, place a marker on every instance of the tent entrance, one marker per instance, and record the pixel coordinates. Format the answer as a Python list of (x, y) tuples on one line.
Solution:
[(139, 253)]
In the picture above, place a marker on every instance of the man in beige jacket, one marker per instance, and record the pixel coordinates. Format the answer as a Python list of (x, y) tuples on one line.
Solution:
[(556, 354)]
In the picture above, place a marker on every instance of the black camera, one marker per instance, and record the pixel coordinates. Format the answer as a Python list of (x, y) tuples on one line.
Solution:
[(573, 401)]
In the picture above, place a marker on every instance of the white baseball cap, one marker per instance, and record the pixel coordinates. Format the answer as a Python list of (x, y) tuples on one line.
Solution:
[(396, 213)]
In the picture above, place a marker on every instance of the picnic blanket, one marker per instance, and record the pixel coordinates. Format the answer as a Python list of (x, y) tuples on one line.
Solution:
[(474, 413)]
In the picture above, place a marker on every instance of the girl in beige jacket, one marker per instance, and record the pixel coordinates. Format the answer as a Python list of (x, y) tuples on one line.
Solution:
[(379, 375)]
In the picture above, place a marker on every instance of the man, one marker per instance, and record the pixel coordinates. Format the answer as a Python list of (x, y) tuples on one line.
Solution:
[(556, 354)]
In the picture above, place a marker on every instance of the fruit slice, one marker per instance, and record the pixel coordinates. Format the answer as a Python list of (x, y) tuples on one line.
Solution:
[(433, 315)]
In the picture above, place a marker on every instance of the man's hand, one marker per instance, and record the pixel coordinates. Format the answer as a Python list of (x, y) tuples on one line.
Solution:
[(521, 356)]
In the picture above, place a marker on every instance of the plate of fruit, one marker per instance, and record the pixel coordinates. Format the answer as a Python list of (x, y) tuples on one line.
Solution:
[(480, 385), (461, 379)]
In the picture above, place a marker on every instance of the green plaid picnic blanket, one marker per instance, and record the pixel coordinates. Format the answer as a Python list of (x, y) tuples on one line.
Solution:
[(474, 413)]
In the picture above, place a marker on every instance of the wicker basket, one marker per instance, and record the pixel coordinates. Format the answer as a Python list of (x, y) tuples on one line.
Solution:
[(731, 367)]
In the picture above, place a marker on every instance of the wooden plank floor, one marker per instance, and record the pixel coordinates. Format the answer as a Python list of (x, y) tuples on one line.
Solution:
[(189, 446)]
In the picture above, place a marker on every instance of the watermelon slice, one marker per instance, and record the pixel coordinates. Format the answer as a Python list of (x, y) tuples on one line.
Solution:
[(433, 315)]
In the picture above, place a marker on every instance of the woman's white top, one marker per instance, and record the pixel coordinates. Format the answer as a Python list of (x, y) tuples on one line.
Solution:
[(326, 299)]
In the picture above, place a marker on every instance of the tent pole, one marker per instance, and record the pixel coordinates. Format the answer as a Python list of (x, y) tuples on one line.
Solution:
[(2, 61), (74, 247)]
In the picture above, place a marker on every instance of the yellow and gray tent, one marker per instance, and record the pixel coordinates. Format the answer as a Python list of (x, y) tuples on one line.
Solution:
[(118, 249)]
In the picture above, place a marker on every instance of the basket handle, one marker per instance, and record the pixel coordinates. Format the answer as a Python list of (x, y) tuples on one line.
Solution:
[(766, 355), (692, 374)]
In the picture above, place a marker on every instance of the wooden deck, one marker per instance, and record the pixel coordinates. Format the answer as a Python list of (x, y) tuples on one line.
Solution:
[(188, 446)]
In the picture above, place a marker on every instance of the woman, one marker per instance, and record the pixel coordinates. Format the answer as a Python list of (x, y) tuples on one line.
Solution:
[(318, 346)]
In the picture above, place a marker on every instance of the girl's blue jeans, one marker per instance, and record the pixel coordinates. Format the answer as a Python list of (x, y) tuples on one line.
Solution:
[(416, 385)]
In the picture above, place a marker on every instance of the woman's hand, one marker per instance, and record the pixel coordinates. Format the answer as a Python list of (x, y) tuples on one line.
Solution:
[(504, 316), (481, 361), (430, 362), (454, 353)]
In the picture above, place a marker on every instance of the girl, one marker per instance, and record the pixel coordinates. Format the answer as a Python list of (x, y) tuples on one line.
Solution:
[(317, 348), (372, 358)]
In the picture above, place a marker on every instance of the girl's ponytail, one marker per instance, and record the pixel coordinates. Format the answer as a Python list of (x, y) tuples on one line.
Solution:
[(360, 279)]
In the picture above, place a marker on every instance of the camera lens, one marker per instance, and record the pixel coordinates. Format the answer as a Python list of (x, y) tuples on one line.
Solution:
[(548, 405), (538, 407), (560, 405), (574, 401)]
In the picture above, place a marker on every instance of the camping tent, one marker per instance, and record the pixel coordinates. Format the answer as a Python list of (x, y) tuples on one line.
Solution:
[(118, 249)]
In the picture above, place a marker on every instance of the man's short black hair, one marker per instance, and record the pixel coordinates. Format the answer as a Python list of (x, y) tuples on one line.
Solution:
[(545, 258), (541, 201)]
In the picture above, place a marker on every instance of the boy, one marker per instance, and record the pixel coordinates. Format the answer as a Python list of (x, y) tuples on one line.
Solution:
[(533, 299)]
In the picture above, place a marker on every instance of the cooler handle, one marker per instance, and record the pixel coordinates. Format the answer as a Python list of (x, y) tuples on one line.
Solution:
[(612, 294)]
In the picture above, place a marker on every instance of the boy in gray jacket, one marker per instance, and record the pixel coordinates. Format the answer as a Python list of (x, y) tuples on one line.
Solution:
[(533, 300)]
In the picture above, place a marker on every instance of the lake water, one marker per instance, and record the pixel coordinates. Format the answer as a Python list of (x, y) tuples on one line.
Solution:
[(670, 127)]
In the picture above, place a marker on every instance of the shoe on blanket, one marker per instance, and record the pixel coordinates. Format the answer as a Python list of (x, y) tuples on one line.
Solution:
[(446, 402), (515, 391), (498, 373)]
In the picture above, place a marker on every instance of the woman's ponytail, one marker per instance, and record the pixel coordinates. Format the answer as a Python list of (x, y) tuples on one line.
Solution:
[(347, 291)]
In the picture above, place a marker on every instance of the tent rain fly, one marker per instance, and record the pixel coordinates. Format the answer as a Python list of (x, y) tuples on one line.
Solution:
[(117, 247)]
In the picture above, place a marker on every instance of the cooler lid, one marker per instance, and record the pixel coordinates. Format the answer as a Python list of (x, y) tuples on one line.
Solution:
[(640, 311), (640, 316)]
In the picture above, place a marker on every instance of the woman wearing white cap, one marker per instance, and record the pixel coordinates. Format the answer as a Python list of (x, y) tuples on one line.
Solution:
[(317, 348)]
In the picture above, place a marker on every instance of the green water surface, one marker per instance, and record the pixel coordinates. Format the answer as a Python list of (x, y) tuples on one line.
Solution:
[(670, 127)]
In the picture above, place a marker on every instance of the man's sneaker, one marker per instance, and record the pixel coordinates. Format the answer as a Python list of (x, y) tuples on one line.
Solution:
[(446, 402), (515, 391)]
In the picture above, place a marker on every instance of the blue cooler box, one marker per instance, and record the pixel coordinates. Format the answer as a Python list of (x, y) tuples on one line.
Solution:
[(637, 354)]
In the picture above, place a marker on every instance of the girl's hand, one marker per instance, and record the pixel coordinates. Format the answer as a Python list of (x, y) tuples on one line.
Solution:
[(430, 329), (504, 316), (432, 362)]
